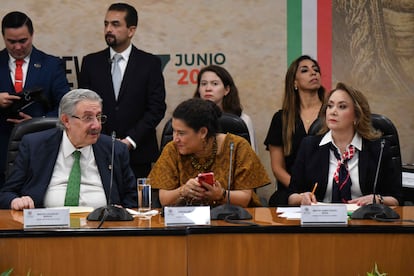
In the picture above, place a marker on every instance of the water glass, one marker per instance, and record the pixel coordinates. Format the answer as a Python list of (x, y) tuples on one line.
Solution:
[(144, 194)]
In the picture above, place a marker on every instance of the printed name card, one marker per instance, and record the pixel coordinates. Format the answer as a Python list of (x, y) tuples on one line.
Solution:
[(187, 215), (319, 215), (46, 218)]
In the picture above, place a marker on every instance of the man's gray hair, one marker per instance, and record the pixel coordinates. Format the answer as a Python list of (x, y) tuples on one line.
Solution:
[(72, 98)]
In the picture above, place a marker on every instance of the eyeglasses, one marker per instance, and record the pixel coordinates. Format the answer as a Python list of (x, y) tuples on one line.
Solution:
[(89, 118)]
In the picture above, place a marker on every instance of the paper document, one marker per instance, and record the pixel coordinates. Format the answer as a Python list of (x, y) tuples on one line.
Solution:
[(76, 209), (408, 179), (288, 212)]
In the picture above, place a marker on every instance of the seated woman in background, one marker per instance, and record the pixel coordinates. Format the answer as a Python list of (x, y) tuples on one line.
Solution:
[(215, 83), (197, 147), (302, 102), (343, 158)]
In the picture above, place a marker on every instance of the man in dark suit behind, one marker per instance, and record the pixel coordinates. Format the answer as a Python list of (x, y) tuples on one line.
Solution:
[(39, 70), (42, 168), (137, 108)]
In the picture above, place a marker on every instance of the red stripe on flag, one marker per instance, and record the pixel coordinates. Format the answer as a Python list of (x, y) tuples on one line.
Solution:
[(325, 41)]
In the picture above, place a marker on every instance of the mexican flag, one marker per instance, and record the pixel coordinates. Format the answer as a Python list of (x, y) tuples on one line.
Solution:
[(309, 32)]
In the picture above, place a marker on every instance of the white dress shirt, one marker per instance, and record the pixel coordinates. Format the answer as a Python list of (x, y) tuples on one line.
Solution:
[(91, 189), (12, 67), (352, 166)]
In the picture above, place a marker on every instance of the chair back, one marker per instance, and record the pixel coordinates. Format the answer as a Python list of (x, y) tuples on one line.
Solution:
[(390, 134), (234, 124), (315, 127), (228, 123), (19, 130)]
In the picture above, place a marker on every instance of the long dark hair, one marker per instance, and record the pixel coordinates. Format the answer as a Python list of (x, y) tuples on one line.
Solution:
[(291, 102), (231, 101)]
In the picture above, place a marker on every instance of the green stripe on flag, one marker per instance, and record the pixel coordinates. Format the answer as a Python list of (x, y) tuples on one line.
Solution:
[(294, 29)]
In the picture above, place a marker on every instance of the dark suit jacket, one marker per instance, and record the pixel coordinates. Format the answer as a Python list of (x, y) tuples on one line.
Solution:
[(43, 71), (36, 160), (312, 165), (141, 101)]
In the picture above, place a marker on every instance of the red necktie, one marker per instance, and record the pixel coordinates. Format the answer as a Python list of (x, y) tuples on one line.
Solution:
[(18, 76)]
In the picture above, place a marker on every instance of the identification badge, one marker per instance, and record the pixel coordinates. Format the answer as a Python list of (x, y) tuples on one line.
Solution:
[(319, 215), (187, 215), (46, 218)]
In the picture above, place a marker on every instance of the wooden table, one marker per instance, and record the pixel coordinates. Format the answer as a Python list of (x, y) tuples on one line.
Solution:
[(146, 247)]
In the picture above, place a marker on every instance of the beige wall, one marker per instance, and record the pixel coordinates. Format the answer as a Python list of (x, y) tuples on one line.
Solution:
[(250, 35)]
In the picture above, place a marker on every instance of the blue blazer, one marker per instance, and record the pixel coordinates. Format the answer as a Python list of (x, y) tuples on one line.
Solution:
[(43, 71), (312, 165), (34, 164), (141, 102)]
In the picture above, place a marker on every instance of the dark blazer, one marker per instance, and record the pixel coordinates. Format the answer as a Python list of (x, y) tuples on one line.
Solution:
[(312, 165), (141, 101), (36, 160), (43, 71)]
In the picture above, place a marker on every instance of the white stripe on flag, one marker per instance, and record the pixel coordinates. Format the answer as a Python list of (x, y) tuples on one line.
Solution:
[(309, 28)]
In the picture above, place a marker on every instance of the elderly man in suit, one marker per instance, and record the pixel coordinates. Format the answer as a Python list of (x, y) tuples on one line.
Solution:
[(131, 84), (22, 66), (42, 172)]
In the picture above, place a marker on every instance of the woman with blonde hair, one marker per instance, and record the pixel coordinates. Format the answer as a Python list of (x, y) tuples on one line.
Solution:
[(343, 158)]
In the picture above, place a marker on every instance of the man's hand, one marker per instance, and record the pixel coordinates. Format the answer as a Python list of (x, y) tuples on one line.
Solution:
[(6, 99), (20, 203), (23, 117), (126, 142)]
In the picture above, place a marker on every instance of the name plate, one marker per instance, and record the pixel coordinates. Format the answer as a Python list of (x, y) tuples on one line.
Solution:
[(187, 215), (320, 215), (46, 218)]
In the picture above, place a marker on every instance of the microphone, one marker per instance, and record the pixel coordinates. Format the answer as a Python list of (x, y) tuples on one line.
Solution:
[(109, 60), (374, 210), (110, 212), (229, 211)]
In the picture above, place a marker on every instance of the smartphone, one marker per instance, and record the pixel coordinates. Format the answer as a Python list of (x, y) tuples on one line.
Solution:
[(206, 177)]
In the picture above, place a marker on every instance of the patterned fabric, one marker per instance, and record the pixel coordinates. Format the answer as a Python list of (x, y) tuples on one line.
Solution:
[(18, 76), (173, 169), (341, 191), (116, 74), (73, 188)]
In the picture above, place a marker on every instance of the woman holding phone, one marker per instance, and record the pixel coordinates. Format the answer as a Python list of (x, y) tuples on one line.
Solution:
[(198, 148)]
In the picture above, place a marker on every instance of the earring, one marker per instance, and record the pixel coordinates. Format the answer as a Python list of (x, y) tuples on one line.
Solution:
[(204, 142), (296, 89)]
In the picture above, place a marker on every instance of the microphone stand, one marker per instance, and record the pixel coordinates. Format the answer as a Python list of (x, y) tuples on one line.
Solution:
[(374, 210), (229, 211), (110, 212)]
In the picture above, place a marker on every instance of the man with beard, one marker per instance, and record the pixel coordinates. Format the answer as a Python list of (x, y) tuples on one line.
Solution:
[(44, 175), (131, 84)]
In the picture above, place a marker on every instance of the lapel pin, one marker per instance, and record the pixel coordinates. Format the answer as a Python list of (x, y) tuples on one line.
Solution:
[(37, 65)]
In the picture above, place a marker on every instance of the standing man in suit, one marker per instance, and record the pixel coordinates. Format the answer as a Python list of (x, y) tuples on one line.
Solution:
[(37, 70), (42, 168), (136, 104)]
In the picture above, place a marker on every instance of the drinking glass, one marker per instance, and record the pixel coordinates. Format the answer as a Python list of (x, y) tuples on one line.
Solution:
[(144, 194)]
